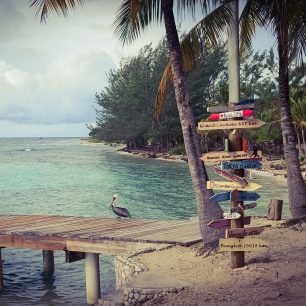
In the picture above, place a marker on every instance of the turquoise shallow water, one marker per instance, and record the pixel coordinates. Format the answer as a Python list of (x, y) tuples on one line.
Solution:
[(65, 176)]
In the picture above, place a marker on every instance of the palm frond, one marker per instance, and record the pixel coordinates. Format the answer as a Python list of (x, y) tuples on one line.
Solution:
[(253, 14), (133, 16), (207, 32), (161, 93), (59, 7)]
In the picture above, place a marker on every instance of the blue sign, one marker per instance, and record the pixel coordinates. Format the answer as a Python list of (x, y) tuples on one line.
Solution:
[(248, 196), (242, 196), (220, 197), (243, 102), (241, 164)]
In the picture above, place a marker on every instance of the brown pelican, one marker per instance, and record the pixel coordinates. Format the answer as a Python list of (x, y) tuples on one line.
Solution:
[(119, 211)]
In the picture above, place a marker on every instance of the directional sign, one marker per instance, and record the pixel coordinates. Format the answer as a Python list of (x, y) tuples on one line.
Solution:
[(225, 156), (243, 207), (232, 185), (244, 102), (227, 223), (245, 244), (243, 232), (231, 216), (225, 108), (231, 124), (231, 176), (248, 196), (243, 164), (221, 197), (229, 115)]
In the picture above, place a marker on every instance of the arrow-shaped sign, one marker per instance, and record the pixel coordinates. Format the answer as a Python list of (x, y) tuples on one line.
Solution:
[(231, 124), (244, 102), (226, 108), (243, 164), (242, 196), (226, 222), (243, 232), (231, 176), (243, 207), (230, 115), (232, 185), (225, 156), (231, 216), (248, 196)]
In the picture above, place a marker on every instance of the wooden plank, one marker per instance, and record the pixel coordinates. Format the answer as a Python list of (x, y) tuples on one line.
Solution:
[(245, 244), (232, 185), (243, 232), (227, 223), (230, 124), (224, 156), (242, 207), (28, 242), (105, 247), (230, 176)]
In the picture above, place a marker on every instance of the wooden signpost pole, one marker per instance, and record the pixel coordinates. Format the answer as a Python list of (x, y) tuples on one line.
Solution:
[(235, 141)]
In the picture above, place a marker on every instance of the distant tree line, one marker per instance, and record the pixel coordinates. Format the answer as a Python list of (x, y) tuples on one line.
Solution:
[(125, 106)]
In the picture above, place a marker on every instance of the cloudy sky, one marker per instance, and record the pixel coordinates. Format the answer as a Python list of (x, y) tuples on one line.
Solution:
[(50, 72)]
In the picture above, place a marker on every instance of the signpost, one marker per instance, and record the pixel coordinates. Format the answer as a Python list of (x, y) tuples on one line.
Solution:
[(231, 216), (242, 207), (248, 196), (225, 108), (243, 232), (225, 156), (226, 222), (242, 196), (231, 176), (230, 115), (241, 164), (230, 124), (244, 245), (232, 185)]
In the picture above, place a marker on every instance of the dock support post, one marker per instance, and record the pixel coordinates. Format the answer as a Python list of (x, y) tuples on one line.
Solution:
[(1, 272), (48, 261), (92, 272)]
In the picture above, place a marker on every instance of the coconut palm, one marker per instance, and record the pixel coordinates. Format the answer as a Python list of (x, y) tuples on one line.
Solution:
[(288, 22), (132, 17)]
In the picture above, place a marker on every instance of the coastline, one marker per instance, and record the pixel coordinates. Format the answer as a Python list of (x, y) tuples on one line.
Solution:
[(274, 277)]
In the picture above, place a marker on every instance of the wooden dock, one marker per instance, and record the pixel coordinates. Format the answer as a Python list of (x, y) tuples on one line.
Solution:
[(82, 237)]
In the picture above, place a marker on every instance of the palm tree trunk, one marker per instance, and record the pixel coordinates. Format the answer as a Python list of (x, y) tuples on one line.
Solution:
[(296, 185), (207, 210), (304, 142), (299, 144)]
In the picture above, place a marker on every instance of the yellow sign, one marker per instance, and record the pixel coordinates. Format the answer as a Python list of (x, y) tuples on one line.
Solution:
[(230, 124), (223, 155), (245, 244), (232, 185)]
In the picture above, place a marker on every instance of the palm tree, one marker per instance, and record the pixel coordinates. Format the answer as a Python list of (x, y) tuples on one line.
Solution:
[(133, 16), (288, 22)]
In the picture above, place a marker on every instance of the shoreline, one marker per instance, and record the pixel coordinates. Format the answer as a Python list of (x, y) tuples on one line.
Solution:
[(275, 168)]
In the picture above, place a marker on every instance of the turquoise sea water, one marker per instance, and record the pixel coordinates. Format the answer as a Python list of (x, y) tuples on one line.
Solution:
[(66, 176)]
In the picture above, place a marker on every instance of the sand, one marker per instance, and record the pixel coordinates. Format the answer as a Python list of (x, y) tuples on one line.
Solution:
[(274, 277)]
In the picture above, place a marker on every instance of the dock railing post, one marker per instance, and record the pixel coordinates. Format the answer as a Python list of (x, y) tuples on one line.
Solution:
[(48, 261), (1, 272), (92, 272)]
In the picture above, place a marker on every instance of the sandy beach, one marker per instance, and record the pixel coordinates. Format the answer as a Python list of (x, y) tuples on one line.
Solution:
[(274, 277)]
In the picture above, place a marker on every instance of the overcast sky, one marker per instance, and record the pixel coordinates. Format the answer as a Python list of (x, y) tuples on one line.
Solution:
[(50, 72)]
